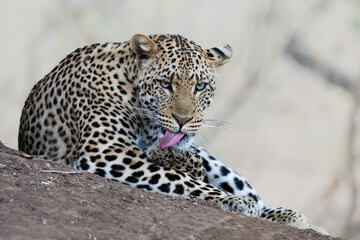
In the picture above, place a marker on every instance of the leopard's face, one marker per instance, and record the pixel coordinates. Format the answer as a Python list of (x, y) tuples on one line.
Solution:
[(177, 82), (178, 90)]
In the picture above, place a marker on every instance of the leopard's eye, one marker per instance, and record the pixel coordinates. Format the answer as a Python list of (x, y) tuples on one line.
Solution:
[(200, 87), (165, 84)]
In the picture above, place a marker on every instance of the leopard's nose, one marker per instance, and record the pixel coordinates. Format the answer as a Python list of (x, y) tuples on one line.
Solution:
[(181, 120)]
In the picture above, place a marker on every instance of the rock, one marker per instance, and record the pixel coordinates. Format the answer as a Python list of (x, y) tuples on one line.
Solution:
[(86, 206)]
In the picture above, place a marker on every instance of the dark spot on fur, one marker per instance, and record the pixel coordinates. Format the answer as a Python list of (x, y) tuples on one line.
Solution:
[(131, 179), (100, 172), (136, 165), (206, 165), (189, 184), (196, 193), (117, 167), (224, 171), (115, 173), (153, 168), (130, 153), (84, 165), (101, 164), (154, 179), (94, 158), (254, 197), (144, 186), (110, 157), (248, 185), (127, 160), (226, 187), (172, 177), (137, 174), (179, 189), (164, 187), (238, 183)]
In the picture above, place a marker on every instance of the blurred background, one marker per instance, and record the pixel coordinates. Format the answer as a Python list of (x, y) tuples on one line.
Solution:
[(288, 98)]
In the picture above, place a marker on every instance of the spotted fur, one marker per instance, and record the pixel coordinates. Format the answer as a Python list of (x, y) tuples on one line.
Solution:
[(104, 108)]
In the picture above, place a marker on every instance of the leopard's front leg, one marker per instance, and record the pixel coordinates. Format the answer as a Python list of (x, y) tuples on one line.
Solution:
[(187, 160), (223, 177)]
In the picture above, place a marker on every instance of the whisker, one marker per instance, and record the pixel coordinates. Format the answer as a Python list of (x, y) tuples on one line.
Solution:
[(202, 138), (144, 112), (147, 115), (212, 123)]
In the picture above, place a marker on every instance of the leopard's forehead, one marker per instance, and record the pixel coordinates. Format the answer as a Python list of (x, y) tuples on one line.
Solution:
[(177, 44), (181, 58)]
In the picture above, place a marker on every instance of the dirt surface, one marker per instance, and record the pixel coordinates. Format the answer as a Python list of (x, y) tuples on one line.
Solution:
[(46, 200)]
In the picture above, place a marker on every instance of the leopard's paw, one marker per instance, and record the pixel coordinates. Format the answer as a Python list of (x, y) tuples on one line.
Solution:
[(246, 205), (158, 155), (290, 217), (284, 216)]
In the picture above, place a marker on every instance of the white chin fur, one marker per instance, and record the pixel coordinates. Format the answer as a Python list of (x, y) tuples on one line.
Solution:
[(184, 143)]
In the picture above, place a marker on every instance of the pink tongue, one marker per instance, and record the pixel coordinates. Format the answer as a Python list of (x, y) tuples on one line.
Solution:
[(170, 138)]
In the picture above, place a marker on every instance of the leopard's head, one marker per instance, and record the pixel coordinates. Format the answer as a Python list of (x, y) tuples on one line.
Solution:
[(177, 82)]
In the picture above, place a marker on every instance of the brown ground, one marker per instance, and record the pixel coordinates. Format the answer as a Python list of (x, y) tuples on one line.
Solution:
[(36, 202)]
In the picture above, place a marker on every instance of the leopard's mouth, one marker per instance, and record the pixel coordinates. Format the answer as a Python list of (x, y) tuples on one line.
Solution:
[(170, 138), (175, 139)]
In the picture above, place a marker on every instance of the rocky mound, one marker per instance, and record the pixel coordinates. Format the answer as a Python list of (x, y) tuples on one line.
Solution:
[(45, 200)]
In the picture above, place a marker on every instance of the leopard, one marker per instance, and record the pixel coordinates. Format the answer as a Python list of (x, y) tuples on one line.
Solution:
[(129, 111)]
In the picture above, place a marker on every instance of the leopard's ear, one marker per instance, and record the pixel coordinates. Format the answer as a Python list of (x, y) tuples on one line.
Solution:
[(219, 55), (143, 46)]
